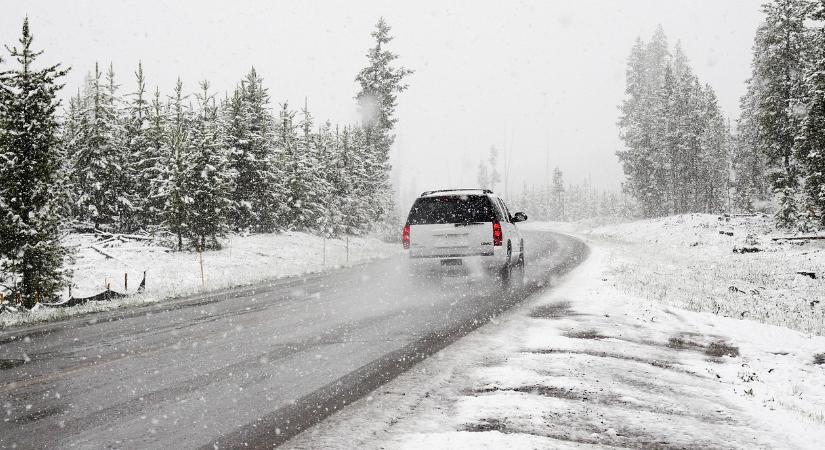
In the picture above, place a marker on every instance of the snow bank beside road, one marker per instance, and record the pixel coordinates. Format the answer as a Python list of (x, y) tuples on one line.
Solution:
[(243, 260), (588, 365), (689, 261)]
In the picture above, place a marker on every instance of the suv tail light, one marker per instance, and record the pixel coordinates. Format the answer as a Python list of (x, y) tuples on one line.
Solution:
[(497, 236), (405, 237)]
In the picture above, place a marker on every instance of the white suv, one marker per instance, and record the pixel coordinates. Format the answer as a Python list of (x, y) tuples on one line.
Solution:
[(464, 227)]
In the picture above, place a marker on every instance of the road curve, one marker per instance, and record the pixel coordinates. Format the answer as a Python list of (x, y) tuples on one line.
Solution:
[(245, 367)]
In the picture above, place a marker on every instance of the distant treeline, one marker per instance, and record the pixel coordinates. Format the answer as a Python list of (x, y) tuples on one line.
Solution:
[(556, 201)]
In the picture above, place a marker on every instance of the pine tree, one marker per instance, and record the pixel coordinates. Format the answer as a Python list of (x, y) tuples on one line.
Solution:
[(154, 163), (812, 142), (70, 139), (295, 168), (777, 70), (97, 160), (749, 162), (495, 176), (711, 174), (558, 210), (483, 176), (642, 123), (352, 175), (380, 83), (137, 159), (235, 123), (311, 171), (30, 158), (256, 200), (122, 190), (176, 168), (330, 221), (207, 181)]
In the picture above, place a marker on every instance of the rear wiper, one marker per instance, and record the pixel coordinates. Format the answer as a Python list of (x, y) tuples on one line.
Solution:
[(468, 223)]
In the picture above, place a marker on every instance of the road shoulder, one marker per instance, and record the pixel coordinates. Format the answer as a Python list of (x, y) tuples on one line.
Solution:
[(587, 365), (246, 263)]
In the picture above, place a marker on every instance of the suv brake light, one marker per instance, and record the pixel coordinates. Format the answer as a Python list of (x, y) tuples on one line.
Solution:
[(405, 237), (497, 236)]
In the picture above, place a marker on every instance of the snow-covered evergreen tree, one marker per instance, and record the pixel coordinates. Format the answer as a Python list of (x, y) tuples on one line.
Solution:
[(641, 123), (307, 186), (557, 209), (153, 163), (711, 167), (295, 182), (811, 149), (352, 188), (122, 193), (495, 175), (330, 221), (380, 83), (778, 102), (97, 156), (248, 128), (207, 176), (30, 162), (748, 160), (176, 166), (70, 139), (483, 176), (136, 160)]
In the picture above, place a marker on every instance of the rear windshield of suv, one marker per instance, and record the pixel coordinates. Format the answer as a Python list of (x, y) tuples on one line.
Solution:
[(452, 209)]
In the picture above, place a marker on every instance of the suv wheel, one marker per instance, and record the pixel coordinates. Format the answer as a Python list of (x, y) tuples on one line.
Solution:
[(518, 282), (505, 274)]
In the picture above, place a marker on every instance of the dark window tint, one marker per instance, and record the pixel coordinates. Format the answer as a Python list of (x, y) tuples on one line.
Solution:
[(451, 209)]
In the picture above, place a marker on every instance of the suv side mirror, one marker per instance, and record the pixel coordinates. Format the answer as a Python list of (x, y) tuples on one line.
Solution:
[(519, 217)]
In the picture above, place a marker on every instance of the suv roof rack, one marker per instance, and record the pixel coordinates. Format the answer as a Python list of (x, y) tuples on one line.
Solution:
[(486, 191)]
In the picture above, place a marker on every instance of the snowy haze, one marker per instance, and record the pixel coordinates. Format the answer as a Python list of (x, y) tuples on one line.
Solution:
[(539, 80)]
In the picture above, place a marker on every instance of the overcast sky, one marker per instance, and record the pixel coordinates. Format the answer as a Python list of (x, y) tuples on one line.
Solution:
[(541, 79)]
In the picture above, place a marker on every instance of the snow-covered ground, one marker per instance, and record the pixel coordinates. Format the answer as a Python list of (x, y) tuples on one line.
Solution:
[(243, 260), (596, 363), (689, 261)]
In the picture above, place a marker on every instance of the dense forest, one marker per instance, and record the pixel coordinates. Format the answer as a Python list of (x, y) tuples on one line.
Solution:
[(780, 151), (677, 140), (188, 165), (569, 202), (681, 155)]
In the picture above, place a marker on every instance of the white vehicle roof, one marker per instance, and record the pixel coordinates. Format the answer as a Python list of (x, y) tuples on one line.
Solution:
[(456, 192)]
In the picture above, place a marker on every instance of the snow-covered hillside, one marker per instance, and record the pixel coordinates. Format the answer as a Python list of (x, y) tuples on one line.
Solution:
[(243, 260)]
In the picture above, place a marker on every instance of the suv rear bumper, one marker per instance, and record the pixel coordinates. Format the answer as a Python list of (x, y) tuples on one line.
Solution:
[(472, 263), (430, 255)]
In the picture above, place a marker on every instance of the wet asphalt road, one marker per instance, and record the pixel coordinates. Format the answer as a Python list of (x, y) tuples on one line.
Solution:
[(247, 367)]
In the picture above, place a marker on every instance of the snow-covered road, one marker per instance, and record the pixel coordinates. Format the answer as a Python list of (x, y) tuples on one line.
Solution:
[(248, 366), (585, 365)]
